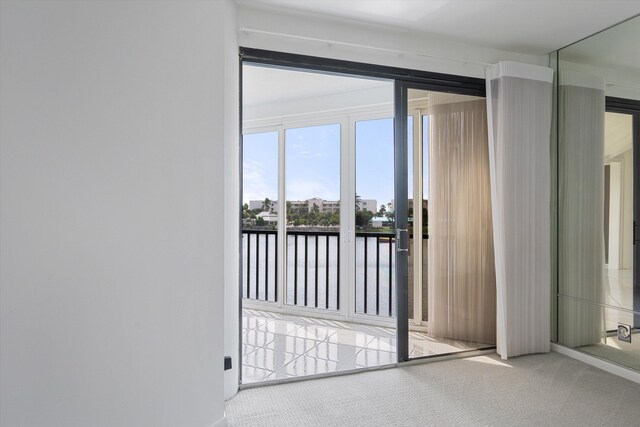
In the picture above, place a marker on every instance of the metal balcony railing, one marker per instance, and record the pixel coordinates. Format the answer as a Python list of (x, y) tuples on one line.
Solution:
[(313, 269)]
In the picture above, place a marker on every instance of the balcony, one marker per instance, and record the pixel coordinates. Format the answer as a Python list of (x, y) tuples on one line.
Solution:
[(280, 346), (323, 324), (313, 279)]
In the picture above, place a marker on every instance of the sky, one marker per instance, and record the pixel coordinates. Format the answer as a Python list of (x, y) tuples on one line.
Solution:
[(313, 162)]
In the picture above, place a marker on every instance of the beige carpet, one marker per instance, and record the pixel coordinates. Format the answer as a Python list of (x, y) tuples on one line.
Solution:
[(537, 390)]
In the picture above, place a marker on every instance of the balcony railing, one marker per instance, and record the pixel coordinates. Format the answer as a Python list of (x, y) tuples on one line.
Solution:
[(313, 269)]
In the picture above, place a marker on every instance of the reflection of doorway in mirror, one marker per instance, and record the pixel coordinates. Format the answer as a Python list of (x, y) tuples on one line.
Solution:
[(618, 216)]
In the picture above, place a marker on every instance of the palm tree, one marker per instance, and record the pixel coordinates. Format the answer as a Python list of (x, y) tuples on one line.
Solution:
[(358, 202), (266, 205)]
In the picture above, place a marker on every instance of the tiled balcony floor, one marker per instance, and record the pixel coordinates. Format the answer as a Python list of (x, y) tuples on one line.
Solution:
[(277, 346)]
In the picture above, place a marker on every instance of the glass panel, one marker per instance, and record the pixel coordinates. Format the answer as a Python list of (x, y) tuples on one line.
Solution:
[(410, 217), (375, 243), (618, 211), (313, 215), (260, 215), (598, 105), (621, 347), (453, 224), (311, 193), (425, 216), (597, 296)]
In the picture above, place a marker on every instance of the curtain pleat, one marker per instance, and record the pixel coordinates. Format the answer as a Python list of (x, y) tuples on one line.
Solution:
[(461, 280), (581, 106), (519, 99)]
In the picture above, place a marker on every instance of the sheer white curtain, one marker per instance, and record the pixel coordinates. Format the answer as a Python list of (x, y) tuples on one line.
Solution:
[(461, 281), (519, 101), (581, 107)]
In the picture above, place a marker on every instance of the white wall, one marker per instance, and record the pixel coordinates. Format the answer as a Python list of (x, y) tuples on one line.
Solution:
[(111, 249), (232, 206), (316, 35)]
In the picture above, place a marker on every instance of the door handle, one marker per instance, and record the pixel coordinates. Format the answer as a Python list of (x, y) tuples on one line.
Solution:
[(402, 245)]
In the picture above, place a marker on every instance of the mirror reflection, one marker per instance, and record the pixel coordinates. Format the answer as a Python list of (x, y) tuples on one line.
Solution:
[(598, 145)]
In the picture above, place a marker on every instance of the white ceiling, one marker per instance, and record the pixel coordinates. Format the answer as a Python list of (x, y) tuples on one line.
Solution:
[(525, 26), (264, 85), (618, 136), (618, 46)]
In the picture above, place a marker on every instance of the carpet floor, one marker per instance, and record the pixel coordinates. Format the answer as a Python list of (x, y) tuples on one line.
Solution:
[(625, 354), (541, 390)]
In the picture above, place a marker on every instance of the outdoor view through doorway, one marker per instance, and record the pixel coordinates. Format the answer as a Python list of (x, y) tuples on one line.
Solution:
[(318, 228)]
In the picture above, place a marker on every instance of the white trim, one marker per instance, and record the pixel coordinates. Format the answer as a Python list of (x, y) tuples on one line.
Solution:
[(347, 221), (607, 366), (281, 279), (501, 332), (518, 69), (222, 422), (260, 129), (616, 179), (417, 216)]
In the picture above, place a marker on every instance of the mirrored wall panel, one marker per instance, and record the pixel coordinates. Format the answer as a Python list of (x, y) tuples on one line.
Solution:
[(597, 171)]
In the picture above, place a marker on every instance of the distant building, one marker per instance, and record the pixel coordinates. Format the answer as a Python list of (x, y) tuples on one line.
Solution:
[(380, 221), (325, 206), (257, 204), (370, 205), (268, 217)]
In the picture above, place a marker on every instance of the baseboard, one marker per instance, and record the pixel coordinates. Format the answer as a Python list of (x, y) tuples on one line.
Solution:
[(607, 366), (222, 422)]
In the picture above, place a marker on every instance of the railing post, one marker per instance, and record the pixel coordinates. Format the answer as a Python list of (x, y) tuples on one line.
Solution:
[(377, 275), (266, 267), (306, 270), (338, 272), (316, 271), (275, 282), (258, 266), (295, 269), (366, 265), (327, 271), (248, 266)]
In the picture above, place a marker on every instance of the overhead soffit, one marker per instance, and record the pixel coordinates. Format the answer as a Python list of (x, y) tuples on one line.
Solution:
[(530, 27)]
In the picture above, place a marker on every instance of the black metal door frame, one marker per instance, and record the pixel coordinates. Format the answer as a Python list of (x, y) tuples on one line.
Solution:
[(404, 79)]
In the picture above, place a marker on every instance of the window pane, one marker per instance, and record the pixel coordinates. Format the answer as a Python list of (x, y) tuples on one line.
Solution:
[(374, 217), (260, 214), (313, 215)]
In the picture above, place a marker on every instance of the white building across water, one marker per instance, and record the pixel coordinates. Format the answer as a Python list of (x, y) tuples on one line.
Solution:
[(325, 206)]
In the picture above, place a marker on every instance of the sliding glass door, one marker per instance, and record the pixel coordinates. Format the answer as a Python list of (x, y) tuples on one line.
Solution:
[(442, 173), (366, 217), (318, 229)]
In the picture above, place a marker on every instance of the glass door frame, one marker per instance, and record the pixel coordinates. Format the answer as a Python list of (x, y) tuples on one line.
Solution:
[(401, 178), (404, 79)]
